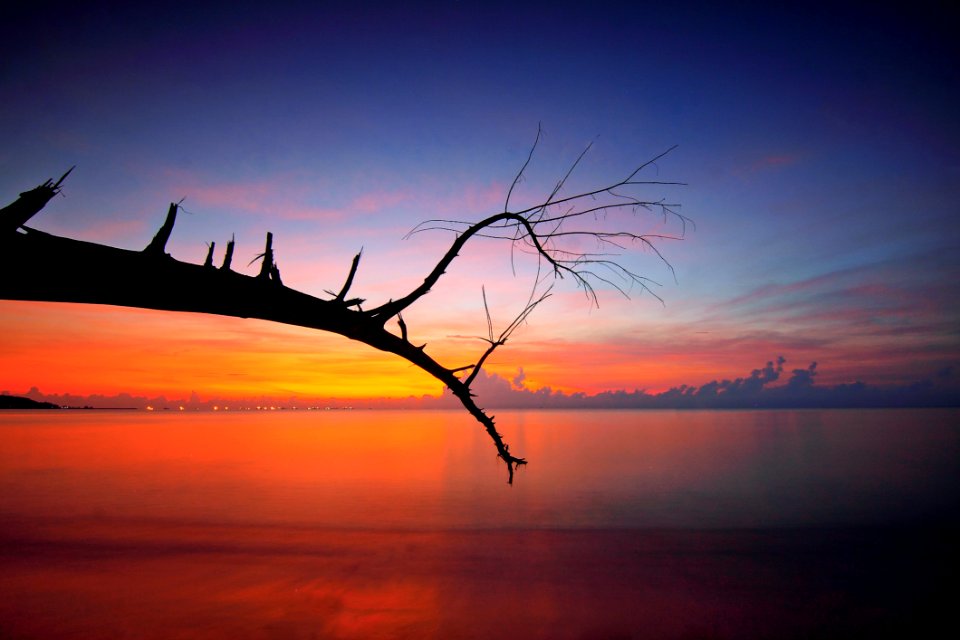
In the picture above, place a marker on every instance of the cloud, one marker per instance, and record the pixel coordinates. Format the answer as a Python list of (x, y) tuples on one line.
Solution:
[(519, 378), (759, 390), (298, 197), (278, 197), (374, 201), (802, 379), (755, 164), (877, 320)]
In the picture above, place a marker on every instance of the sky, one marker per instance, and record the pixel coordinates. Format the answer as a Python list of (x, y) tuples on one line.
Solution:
[(819, 148)]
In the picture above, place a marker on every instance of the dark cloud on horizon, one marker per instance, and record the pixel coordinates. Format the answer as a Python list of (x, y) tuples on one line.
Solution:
[(763, 388)]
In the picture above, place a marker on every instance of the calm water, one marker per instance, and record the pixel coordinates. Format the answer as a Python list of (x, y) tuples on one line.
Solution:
[(401, 524)]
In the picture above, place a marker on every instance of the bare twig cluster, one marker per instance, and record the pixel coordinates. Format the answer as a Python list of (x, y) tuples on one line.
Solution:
[(552, 229)]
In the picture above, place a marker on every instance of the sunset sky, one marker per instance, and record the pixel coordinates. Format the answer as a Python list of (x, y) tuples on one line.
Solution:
[(821, 152)]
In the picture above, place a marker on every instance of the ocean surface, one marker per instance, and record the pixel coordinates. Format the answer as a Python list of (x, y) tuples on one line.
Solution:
[(401, 524)]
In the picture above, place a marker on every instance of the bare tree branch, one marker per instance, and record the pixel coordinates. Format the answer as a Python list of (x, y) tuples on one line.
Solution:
[(40, 266), (533, 148)]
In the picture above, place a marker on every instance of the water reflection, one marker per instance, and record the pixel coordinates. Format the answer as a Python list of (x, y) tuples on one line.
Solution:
[(427, 470), (400, 524)]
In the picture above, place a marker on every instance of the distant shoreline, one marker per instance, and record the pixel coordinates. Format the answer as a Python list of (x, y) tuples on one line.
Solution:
[(17, 402), (20, 403)]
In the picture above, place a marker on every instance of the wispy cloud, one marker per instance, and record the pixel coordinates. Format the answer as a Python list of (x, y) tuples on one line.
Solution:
[(107, 231), (853, 314), (374, 201), (758, 163), (280, 197)]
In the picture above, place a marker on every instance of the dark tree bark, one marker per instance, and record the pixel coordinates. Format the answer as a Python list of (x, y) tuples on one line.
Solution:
[(29, 204), (158, 246), (228, 255), (208, 263), (38, 266)]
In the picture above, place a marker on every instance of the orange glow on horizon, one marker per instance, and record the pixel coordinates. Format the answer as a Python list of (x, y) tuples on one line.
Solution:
[(81, 350)]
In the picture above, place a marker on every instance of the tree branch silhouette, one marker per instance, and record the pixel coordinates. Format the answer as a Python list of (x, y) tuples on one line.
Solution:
[(35, 265)]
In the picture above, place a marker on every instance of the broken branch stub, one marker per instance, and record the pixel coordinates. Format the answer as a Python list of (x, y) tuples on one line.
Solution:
[(18, 213), (208, 263), (228, 256), (158, 246), (266, 267)]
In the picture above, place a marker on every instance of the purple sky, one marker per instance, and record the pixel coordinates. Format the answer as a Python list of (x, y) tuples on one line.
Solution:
[(820, 146)]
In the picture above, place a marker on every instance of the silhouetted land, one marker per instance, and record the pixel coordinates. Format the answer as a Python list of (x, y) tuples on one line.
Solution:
[(16, 402)]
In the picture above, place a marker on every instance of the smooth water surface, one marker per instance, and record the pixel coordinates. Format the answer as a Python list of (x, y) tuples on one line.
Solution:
[(360, 524)]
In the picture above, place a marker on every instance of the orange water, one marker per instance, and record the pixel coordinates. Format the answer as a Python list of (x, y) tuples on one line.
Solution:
[(367, 524)]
